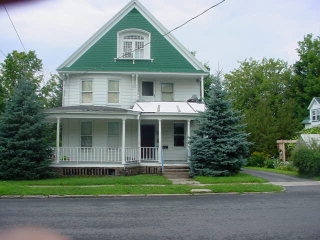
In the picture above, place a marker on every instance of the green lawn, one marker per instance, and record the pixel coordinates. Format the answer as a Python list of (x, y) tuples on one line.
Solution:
[(239, 178), (292, 173), (78, 181), (16, 189)]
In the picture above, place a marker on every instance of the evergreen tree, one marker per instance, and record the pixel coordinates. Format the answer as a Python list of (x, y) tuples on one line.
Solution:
[(219, 144), (24, 147)]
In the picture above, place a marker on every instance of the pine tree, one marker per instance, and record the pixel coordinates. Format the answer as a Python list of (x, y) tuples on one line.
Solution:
[(219, 144), (24, 147)]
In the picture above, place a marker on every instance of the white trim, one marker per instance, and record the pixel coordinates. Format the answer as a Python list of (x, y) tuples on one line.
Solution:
[(122, 13), (311, 103), (140, 73)]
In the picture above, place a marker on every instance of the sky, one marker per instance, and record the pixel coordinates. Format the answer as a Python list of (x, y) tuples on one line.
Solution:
[(232, 32)]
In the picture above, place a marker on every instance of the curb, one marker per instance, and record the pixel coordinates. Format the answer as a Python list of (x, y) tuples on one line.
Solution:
[(128, 195)]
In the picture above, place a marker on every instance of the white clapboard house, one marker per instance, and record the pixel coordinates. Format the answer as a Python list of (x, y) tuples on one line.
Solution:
[(130, 97)]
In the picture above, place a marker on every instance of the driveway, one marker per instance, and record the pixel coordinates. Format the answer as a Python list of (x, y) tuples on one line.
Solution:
[(281, 179)]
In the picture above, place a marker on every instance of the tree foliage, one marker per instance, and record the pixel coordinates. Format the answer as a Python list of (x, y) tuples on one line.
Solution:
[(263, 90), (307, 70), (26, 65), (24, 146), (219, 143)]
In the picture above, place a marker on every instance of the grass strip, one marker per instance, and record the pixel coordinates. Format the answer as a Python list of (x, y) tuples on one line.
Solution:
[(15, 189), (106, 180), (238, 178)]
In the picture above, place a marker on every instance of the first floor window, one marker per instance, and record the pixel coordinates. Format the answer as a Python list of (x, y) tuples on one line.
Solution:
[(86, 91), (147, 89), (86, 134), (113, 91), (178, 132), (167, 92), (113, 134)]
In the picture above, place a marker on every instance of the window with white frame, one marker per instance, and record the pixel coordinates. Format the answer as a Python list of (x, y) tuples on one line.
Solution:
[(113, 134), (318, 114), (147, 89), (86, 134), (167, 92), (86, 91), (133, 44), (179, 135), (113, 91)]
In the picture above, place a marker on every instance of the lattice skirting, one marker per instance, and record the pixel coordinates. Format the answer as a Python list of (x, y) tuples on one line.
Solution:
[(106, 171)]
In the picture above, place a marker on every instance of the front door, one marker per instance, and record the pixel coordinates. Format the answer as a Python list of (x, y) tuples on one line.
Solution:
[(147, 141)]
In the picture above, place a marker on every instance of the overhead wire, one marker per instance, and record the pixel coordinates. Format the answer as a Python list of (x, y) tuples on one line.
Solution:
[(181, 25)]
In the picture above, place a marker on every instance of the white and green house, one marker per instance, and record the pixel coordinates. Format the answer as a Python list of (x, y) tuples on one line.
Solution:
[(131, 94)]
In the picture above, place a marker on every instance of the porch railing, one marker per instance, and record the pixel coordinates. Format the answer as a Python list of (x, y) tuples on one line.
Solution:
[(149, 154), (105, 154)]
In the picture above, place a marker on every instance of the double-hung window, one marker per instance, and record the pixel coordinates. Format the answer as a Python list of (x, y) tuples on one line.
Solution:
[(179, 135), (113, 91), (86, 91), (314, 115), (113, 134), (86, 134), (167, 92)]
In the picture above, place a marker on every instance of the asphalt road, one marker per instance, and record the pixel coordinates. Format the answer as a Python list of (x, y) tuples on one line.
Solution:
[(291, 215)]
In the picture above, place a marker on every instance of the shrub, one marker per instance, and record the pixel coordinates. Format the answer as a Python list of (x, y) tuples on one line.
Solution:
[(307, 159), (257, 159), (281, 165), (269, 163)]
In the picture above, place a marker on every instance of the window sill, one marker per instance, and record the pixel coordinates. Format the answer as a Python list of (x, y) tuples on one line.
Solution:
[(133, 59)]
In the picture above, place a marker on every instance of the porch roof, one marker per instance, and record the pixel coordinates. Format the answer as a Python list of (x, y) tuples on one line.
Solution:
[(169, 107)]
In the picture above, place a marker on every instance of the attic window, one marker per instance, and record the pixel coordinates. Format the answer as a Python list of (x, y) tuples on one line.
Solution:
[(133, 44)]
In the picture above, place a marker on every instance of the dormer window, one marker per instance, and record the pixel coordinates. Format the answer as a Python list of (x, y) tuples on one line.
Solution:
[(133, 44)]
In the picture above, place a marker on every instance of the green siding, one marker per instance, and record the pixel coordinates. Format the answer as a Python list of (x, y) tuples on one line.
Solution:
[(100, 57)]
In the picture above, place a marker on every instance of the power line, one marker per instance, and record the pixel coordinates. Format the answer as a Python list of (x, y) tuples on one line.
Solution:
[(189, 20), (3, 53), (14, 27)]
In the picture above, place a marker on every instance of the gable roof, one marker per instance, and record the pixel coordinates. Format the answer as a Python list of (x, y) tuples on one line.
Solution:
[(95, 53), (317, 99)]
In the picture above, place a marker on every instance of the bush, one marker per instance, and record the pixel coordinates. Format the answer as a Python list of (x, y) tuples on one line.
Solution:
[(287, 166), (269, 163), (257, 159), (307, 160)]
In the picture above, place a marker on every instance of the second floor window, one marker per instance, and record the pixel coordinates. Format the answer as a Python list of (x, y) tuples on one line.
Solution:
[(86, 91), (316, 115), (167, 92), (86, 134), (113, 91), (147, 89)]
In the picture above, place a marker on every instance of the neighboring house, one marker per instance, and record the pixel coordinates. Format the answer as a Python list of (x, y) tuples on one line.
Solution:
[(130, 95), (314, 114)]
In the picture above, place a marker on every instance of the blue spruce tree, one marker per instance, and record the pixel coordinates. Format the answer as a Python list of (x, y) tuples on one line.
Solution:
[(24, 145), (219, 144)]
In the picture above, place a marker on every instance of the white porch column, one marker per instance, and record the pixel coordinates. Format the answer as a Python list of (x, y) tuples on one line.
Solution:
[(188, 137), (202, 88), (137, 87), (139, 139), (58, 141), (123, 149), (160, 142)]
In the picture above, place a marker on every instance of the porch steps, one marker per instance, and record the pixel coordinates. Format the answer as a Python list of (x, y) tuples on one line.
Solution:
[(176, 172)]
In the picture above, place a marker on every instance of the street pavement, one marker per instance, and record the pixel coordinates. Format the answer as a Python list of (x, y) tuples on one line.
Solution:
[(294, 214)]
